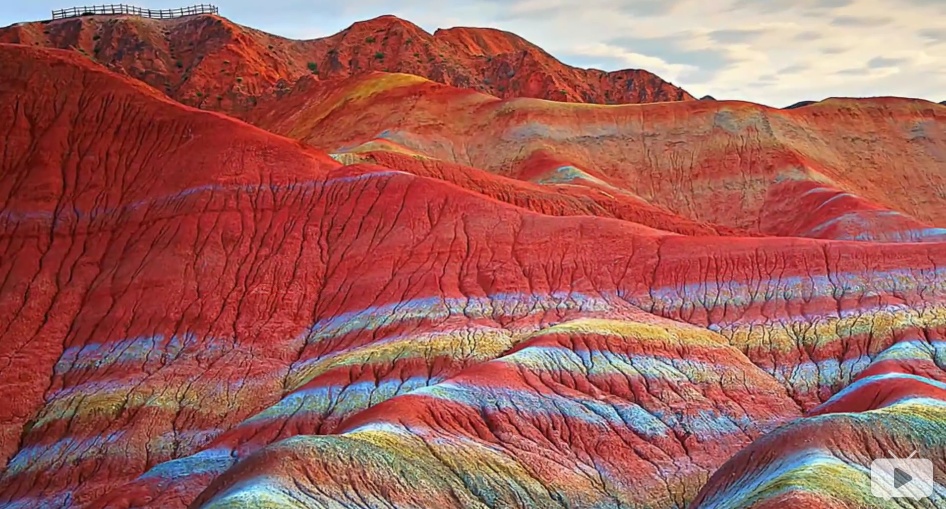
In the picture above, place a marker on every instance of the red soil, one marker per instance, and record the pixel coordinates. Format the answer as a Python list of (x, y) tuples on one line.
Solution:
[(84, 145), (469, 302), (210, 62), (843, 169)]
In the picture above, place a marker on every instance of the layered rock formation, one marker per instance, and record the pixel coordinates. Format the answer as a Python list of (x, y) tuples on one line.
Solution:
[(210, 62), (842, 169), (397, 293)]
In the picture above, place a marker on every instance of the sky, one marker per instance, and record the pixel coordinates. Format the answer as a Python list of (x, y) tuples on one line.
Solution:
[(774, 52)]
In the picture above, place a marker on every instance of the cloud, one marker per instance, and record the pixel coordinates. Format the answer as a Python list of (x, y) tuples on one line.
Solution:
[(879, 62), (647, 8), (855, 71), (606, 56), (793, 69), (696, 61), (833, 4), (778, 6), (771, 51), (861, 21), (808, 35), (736, 35), (937, 5), (934, 35)]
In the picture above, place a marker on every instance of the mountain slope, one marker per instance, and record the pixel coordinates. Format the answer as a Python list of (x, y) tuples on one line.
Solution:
[(216, 64), (472, 301), (86, 153), (840, 169), (198, 313)]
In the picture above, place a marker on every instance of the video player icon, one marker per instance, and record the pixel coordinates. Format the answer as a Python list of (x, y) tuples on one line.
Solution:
[(901, 478)]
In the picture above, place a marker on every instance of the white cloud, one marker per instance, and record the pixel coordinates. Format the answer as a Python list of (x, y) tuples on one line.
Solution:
[(599, 54)]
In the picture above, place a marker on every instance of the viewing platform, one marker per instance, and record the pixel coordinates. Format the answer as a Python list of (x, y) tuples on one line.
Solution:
[(131, 10)]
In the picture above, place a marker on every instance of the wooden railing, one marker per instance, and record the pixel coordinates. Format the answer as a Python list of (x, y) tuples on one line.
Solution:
[(115, 9)]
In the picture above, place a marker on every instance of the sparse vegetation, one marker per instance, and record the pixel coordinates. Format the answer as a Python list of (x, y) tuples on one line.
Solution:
[(370, 39), (408, 40), (379, 56), (313, 67)]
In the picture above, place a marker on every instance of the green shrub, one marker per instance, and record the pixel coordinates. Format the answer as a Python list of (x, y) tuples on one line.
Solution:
[(379, 56), (313, 67), (370, 39)]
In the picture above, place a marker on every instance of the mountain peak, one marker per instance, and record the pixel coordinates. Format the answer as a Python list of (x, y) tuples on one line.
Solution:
[(212, 63), (484, 41), (383, 22)]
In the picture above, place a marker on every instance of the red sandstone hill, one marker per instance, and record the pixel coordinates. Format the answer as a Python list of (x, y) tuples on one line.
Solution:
[(867, 169), (86, 149), (219, 65), (470, 302)]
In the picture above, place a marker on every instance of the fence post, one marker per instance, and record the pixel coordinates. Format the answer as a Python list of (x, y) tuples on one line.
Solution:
[(135, 11)]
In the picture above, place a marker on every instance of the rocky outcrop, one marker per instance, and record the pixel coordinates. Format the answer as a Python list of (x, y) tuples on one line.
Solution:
[(210, 62)]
